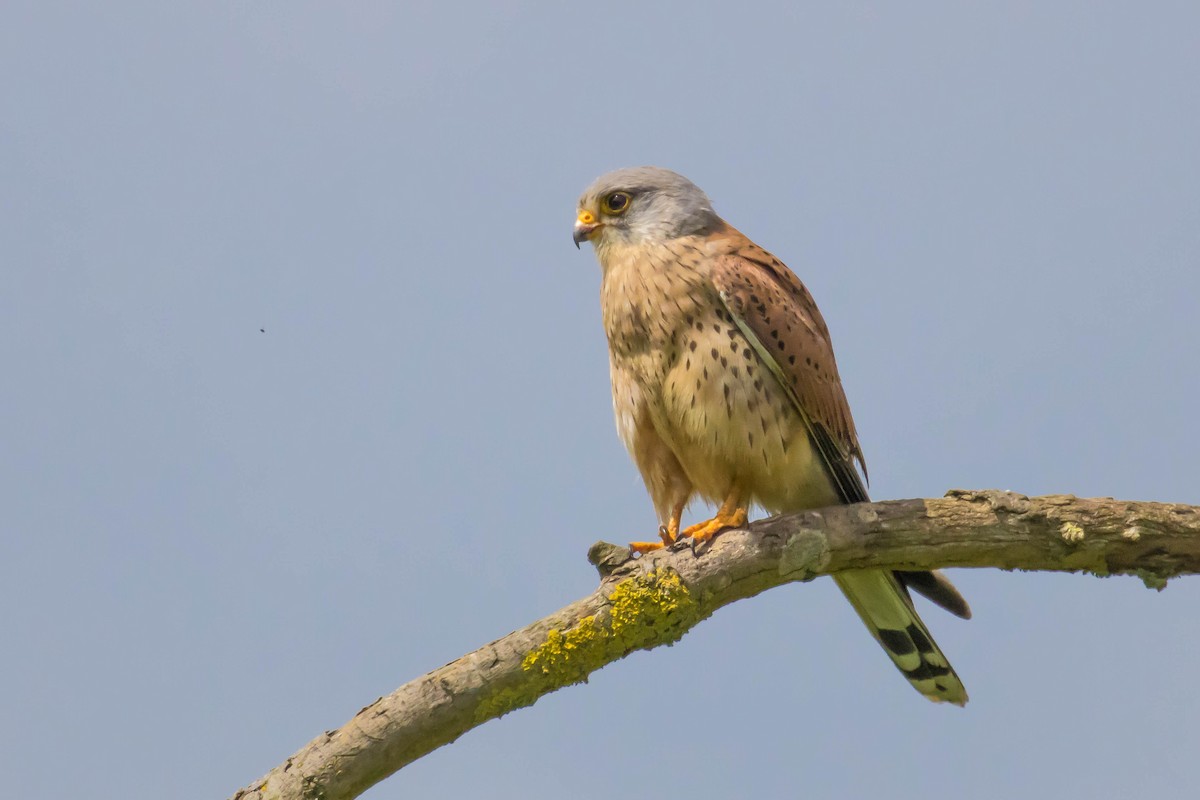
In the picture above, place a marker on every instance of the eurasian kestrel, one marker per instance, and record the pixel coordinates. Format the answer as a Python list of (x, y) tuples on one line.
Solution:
[(725, 386)]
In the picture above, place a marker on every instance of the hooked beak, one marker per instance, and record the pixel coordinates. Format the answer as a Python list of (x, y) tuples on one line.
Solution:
[(585, 226)]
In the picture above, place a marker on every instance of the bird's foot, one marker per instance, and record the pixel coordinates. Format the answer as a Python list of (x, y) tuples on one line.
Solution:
[(667, 536), (725, 519)]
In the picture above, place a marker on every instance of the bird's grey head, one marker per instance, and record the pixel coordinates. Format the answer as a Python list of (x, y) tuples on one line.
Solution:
[(640, 205)]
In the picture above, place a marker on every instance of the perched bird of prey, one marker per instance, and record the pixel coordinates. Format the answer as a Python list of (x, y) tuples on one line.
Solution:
[(725, 386)]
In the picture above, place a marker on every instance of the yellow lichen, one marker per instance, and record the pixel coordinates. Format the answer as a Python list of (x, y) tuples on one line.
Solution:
[(644, 611), (647, 608), (1071, 532), (565, 655), (504, 701)]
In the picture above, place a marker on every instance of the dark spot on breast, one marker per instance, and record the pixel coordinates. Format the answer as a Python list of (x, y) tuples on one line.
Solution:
[(781, 345), (746, 353), (735, 372), (775, 333), (714, 352), (692, 346), (724, 361), (791, 359)]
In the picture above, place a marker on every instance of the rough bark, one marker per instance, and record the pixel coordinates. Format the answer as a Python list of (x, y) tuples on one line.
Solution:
[(645, 602)]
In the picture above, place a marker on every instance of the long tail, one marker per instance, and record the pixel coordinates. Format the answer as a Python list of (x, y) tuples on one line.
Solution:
[(886, 608)]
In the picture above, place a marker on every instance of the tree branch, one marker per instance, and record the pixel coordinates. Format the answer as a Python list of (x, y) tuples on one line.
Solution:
[(645, 602)]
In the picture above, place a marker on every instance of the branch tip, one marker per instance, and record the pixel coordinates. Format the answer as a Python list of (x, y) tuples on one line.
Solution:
[(606, 557)]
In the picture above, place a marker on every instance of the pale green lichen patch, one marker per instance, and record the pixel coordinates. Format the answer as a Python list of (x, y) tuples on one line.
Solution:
[(806, 552), (644, 611), (1152, 580)]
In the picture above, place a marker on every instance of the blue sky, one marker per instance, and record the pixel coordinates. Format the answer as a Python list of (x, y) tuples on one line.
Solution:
[(305, 391)]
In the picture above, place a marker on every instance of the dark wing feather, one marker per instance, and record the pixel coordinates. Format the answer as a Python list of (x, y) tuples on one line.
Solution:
[(780, 317), (774, 308), (937, 588)]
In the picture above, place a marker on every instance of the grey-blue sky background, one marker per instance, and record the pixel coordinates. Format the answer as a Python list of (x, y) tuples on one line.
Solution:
[(218, 542)]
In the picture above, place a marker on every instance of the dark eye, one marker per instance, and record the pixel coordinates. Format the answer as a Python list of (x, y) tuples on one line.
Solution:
[(616, 203)]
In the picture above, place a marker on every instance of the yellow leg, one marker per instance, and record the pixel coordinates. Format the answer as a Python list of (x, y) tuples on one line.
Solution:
[(667, 533), (731, 514)]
